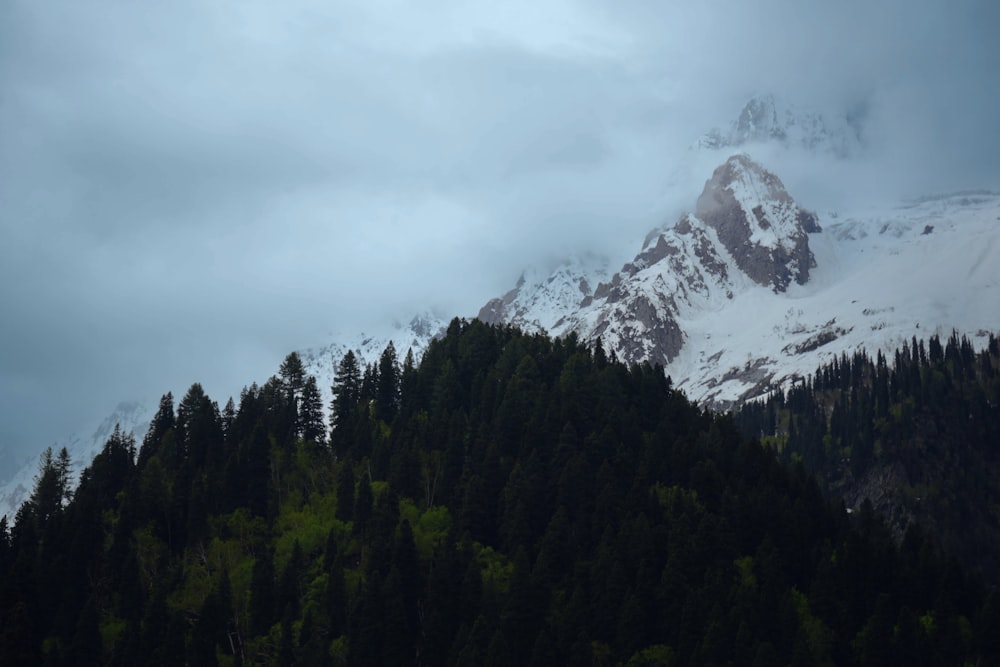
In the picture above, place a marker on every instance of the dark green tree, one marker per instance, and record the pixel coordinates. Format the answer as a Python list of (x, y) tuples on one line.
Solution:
[(387, 388), (311, 420), (344, 406)]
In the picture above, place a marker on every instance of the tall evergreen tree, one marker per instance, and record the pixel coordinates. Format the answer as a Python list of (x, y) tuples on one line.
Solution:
[(311, 420), (52, 486), (293, 374), (387, 390), (346, 395), (162, 422)]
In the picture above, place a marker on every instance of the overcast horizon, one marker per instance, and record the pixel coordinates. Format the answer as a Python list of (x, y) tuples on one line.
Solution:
[(190, 190)]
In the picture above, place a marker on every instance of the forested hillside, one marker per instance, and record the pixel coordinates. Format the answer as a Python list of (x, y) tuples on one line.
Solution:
[(512, 500), (918, 435)]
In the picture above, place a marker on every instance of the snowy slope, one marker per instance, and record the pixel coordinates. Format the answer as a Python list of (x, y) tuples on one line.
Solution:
[(881, 278), (541, 300), (733, 307), (132, 417), (746, 230)]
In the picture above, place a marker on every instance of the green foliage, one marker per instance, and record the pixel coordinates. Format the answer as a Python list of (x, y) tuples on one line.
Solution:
[(511, 499), (652, 656)]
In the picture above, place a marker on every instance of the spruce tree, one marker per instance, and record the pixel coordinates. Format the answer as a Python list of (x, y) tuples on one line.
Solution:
[(162, 422), (311, 422), (346, 395), (387, 388)]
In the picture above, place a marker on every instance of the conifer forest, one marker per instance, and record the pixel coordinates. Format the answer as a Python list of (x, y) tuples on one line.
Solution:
[(513, 499)]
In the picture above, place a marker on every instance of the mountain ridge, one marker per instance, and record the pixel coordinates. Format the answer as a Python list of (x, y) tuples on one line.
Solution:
[(731, 308), (731, 319), (726, 350)]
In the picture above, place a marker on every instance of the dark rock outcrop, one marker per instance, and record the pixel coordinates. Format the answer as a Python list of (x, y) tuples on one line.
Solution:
[(758, 222)]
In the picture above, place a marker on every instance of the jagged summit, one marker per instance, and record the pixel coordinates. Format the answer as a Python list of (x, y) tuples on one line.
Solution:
[(766, 118), (746, 231), (758, 222), (745, 294)]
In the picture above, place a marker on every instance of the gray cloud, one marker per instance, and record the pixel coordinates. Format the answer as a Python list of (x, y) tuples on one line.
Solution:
[(189, 190)]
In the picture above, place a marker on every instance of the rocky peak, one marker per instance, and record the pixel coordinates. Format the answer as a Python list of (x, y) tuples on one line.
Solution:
[(758, 121), (758, 223), (767, 119)]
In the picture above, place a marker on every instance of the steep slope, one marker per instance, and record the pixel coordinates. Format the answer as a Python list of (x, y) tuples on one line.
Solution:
[(746, 232), (748, 293)]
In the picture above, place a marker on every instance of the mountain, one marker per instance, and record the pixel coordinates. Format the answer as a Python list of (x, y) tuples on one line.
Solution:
[(749, 291), (132, 417), (752, 291), (540, 301), (768, 119)]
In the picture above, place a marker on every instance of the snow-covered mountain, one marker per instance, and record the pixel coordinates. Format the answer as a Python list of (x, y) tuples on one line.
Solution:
[(752, 291), (540, 300), (767, 119), (134, 416), (131, 416), (749, 291)]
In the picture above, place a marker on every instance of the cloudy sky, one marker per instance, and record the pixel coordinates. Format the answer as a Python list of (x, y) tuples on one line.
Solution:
[(190, 189)]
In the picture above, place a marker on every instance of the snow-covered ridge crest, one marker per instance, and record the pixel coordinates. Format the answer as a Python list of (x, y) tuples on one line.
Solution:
[(540, 301)]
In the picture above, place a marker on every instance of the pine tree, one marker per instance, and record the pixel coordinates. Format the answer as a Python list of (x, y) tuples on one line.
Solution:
[(311, 422), (346, 395), (293, 374), (52, 486), (387, 388), (163, 421)]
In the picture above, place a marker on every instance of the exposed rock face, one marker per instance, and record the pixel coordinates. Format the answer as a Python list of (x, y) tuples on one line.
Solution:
[(757, 221), (498, 310), (746, 231)]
